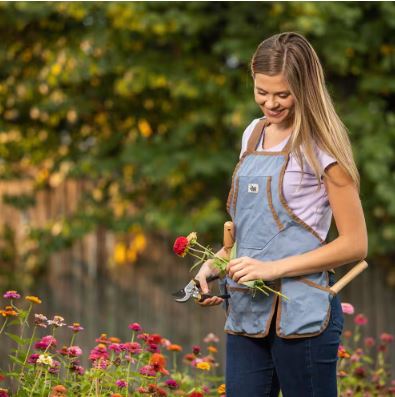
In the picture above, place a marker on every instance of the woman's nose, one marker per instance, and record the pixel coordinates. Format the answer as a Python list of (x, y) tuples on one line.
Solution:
[(271, 103)]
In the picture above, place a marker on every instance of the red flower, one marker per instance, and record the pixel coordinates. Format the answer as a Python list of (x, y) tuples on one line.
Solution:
[(181, 246), (386, 338), (360, 319), (196, 394)]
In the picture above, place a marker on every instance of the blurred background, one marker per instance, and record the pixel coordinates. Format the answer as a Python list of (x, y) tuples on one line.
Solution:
[(120, 127)]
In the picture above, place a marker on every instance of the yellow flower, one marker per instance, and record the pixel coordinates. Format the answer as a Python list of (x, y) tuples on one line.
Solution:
[(45, 359), (221, 389), (33, 299), (212, 349), (203, 366)]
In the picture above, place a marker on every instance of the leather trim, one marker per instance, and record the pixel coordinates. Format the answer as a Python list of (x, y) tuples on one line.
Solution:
[(270, 202)]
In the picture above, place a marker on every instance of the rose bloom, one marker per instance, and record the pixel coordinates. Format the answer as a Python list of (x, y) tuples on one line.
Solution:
[(181, 246), (347, 308), (360, 319)]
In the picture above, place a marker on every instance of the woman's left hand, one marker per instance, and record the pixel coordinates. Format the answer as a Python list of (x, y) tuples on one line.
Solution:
[(248, 269)]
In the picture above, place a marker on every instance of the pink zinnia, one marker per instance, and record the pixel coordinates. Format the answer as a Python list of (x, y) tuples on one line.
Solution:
[(386, 338), (171, 384), (46, 342), (135, 327), (369, 341), (4, 393), (11, 295), (147, 370), (134, 348), (76, 327), (121, 383), (347, 308), (33, 358), (211, 338), (360, 319), (196, 349), (74, 351), (116, 347), (153, 348)]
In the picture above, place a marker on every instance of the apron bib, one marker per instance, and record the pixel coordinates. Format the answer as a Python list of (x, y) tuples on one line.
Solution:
[(267, 229)]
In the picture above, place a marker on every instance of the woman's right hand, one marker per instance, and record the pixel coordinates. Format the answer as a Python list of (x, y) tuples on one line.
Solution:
[(206, 270)]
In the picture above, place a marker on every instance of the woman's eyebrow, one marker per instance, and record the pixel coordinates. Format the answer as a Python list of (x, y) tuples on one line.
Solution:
[(279, 92)]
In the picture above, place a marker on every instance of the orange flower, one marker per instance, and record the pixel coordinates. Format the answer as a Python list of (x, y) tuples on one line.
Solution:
[(212, 349), (158, 359), (33, 299), (174, 348), (221, 389), (8, 312), (114, 339), (58, 391)]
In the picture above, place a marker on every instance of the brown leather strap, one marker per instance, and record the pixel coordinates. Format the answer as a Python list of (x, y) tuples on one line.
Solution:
[(256, 135)]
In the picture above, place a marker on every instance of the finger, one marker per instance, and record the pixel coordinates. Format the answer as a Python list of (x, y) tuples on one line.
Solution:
[(203, 285)]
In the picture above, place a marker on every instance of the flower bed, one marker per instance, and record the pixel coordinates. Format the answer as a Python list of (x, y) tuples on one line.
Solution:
[(41, 366)]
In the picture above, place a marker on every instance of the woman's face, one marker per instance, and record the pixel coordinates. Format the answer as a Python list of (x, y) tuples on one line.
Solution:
[(273, 96)]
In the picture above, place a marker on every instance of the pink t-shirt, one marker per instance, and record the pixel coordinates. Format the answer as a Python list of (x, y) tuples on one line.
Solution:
[(308, 203)]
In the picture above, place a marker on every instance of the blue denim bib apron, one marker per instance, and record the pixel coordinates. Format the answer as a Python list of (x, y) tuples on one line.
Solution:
[(267, 229)]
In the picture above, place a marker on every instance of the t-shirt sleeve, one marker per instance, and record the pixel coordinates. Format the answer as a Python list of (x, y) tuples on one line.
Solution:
[(246, 136), (325, 159)]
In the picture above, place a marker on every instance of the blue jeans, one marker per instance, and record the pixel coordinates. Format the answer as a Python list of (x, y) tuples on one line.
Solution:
[(302, 367)]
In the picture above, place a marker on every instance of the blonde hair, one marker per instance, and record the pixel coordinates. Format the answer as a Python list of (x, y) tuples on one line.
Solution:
[(315, 118)]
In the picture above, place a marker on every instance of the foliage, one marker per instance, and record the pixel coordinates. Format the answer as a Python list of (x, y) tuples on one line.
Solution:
[(39, 365), (147, 101)]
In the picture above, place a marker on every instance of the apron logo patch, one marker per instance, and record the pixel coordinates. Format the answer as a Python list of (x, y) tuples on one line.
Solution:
[(253, 188)]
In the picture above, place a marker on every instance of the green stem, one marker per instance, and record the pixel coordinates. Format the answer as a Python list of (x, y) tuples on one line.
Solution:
[(35, 383), (26, 357), (44, 384), (128, 371), (4, 324), (174, 362)]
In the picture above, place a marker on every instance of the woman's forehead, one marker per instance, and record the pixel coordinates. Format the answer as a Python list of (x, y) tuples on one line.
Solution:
[(276, 83)]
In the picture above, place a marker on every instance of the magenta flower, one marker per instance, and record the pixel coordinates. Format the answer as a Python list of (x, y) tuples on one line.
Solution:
[(33, 358), (74, 351), (99, 352), (196, 349), (45, 343), (55, 367), (121, 383), (11, 295), (347, 308), (360, 319), (135, 327), (134, 348), (116, 347), (4, 393), (153, 348), (76, 327), (147, 370), (171, 384), (386, 338)]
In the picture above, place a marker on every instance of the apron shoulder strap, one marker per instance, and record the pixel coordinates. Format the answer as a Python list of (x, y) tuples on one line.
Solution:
[(256, 135)]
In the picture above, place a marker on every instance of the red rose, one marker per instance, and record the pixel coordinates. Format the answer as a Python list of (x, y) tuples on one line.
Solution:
[(181, 246)]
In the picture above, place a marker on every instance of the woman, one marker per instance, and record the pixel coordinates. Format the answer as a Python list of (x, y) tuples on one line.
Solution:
[(296, 170)]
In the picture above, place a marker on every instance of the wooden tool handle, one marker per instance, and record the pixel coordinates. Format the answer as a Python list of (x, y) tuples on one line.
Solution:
[(350, 275), (228, 236)]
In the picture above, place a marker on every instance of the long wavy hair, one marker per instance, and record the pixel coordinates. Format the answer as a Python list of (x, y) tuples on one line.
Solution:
[(315, 118)]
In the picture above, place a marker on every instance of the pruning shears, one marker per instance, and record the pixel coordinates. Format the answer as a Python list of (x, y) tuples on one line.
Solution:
[(192, 289)]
